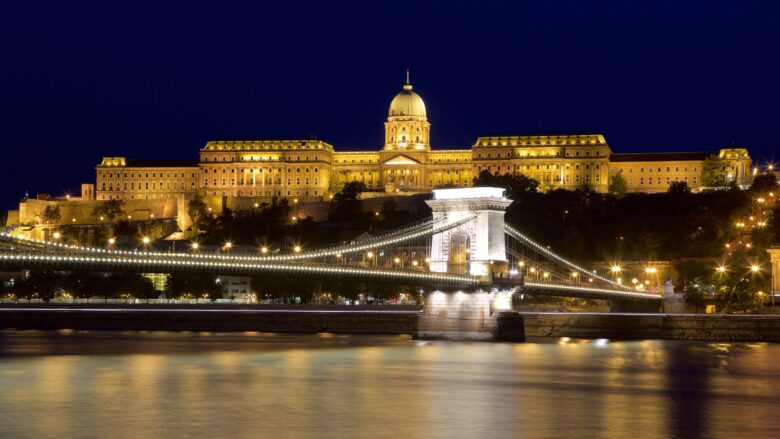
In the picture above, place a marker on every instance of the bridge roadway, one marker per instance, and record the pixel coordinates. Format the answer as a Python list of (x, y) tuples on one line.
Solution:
[(27, 254)]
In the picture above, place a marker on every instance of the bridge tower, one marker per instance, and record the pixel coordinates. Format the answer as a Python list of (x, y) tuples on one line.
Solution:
[(476, 246)]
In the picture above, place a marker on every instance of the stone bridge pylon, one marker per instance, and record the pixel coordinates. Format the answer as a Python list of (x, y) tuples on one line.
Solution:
[(477, 246)]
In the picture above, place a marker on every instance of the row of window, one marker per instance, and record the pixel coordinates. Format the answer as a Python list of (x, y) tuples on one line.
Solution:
[(260, 171), (146, 175), (254, 182), (659, 181), (145, 186), (254, 158), (523, 154)]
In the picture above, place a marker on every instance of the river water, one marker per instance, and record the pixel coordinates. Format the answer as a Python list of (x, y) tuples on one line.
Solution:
[(143, 385)]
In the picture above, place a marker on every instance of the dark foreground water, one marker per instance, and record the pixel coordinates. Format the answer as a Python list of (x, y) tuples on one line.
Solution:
[(144, 385)]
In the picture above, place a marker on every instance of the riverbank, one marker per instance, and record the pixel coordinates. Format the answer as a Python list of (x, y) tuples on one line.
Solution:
[(393, 319)]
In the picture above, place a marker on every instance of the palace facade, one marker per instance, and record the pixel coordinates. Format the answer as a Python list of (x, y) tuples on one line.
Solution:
[(311, 170)]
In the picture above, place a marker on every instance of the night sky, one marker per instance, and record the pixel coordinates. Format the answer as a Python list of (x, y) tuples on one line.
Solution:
[(157, 79)]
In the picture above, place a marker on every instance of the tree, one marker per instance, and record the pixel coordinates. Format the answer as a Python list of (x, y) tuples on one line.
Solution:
[(198, 212), (516, 185), (679, 187), (51, 215), (109, 209), (695, 295), (346, 202), (618, 184), (712, 172), (764, 183)]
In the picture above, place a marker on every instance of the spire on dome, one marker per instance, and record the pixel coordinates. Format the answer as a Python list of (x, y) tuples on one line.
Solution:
[(407, 86)]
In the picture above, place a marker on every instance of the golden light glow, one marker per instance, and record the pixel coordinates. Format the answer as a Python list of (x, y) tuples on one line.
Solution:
[(56, 235), (146, 240), (297, 249), (264, 250), (195, 245), (615, 269)]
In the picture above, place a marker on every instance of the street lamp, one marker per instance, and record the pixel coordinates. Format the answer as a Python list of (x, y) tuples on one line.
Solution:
[(263, 249), (397, 260), (146, 240), (111, 241), (195, 245), (56, 235), (721, 269), (615, 269), (297, 249), (755, 268)]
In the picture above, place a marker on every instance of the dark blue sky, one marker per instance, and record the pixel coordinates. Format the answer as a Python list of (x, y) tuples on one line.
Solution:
[(157, 79)]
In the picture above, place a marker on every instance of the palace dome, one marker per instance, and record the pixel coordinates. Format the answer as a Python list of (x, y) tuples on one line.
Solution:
[(407, 103)]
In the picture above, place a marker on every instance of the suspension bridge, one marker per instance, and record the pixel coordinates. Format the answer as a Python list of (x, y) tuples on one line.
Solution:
[(464, 247)]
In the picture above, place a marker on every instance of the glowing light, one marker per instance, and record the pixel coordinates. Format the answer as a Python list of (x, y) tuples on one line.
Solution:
[(634, 281), (532, 270), (546, 275), (146, 240), (414, 263), (397, 260), (195, 245), (615, 269), (56, 235), (651, 270), (521, 264), (111, 241), (264, 250), (755, 268), (721, 269), (370, 255), (297, 249)]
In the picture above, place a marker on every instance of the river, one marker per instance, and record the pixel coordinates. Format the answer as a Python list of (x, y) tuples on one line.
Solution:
[(163, 384)]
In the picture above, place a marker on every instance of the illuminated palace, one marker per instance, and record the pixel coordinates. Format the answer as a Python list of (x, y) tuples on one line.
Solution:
[(312, 170)]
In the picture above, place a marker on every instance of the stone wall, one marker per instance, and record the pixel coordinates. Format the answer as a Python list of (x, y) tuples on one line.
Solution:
[(289, 321), (81, 210), (715, 327)]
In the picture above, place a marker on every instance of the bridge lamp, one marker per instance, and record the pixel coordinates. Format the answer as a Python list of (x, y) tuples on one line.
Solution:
[(721, 269), (546, 275), (620, 281), (195, 245), (615, 269), (634, 281), (264, 250), (521, 264), (755, 268), (297, 249), (111, 241), (146, 240), (427, 260), (414, 263), (590, 280), (574, 274), (56, 235), (532, 270), (370, 255), (651, 270), (338, 255), (397, 260)]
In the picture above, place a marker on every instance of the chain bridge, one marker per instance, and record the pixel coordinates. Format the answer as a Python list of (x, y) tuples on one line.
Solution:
[(465, 246)]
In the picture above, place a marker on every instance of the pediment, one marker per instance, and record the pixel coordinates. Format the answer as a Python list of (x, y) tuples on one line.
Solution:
[(401, 159)]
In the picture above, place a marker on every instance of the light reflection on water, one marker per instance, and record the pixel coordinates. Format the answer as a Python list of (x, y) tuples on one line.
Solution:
[(158, 384)]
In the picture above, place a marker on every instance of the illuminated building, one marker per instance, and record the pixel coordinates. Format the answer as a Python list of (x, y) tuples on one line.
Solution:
[(310, 170)]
